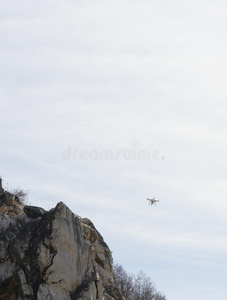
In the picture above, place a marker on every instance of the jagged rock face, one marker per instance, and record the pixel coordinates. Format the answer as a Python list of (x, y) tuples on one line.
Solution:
[(52, 255), (1, 188)]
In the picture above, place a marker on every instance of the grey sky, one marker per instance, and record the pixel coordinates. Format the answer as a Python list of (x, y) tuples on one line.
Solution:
[(124, 76)]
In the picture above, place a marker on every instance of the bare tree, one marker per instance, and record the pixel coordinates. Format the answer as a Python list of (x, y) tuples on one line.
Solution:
[(123, 281), (135, 287), (20, 193)]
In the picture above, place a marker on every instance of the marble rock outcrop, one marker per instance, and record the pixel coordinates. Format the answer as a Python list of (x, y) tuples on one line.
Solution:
[(51, 255)]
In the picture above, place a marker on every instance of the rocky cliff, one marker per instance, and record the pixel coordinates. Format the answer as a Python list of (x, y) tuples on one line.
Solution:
[(51, 254)]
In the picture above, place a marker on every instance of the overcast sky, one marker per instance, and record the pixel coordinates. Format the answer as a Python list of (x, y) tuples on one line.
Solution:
[(106, 103)]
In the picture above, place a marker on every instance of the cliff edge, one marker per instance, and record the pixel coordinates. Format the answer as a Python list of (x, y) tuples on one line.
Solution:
[(52, 255)]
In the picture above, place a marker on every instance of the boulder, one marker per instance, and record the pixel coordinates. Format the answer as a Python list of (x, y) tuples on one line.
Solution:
[(54, 255), (33, 211)]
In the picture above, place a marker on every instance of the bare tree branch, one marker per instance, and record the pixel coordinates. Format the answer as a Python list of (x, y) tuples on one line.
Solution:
[(20, 193), (135, 287)]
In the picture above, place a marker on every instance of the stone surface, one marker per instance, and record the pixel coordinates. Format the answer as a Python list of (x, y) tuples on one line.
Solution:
[(1, 188), (52, 255), (33, 211)]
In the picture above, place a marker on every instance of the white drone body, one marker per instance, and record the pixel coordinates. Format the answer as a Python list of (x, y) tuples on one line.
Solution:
[(152, 201)]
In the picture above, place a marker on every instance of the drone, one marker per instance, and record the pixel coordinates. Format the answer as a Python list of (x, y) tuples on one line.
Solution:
[(152, 201)]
